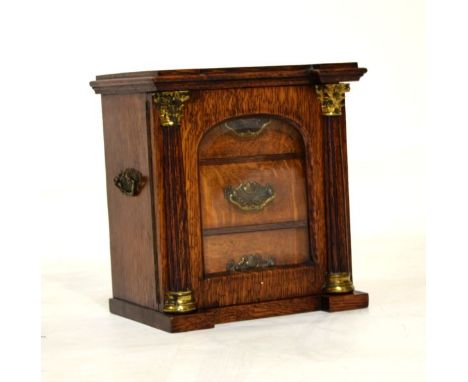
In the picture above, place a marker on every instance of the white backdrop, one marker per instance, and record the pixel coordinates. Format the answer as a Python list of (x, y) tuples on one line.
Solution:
[(54, 183)]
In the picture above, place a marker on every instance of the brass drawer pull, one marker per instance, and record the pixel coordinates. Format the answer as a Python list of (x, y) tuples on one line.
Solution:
[(249, 262), (130, 181), (247, 127), (250, 196)]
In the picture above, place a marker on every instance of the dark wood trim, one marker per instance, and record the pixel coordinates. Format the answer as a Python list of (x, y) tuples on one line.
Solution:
[(232, 83), (233, 72), (334, 73), (210, 73), (255, 228), (167, 322), (176, 230), (207, 318), (192, 79), (336, 196), (159, 202), (124, 85), (149, 125), (228, 275), (252, 158), (266, 309), (341, 302)]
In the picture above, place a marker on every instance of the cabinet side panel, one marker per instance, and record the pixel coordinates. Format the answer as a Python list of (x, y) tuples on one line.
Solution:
[(130, 218)]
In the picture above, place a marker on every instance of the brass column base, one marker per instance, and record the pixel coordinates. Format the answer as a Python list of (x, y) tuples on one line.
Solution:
[(179, 302), (338, 283)]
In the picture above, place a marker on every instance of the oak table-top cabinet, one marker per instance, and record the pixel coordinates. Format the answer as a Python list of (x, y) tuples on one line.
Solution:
[(228, 193)]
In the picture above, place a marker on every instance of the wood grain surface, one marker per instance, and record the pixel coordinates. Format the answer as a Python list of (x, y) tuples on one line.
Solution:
[(336, 195), (277, 138), (255, 227), (175, 205), (167, 322), (348, 301), (302, 111), (285, 246), (180, 231), (286, 177), (226, 78), (130, 218), (207, 318)]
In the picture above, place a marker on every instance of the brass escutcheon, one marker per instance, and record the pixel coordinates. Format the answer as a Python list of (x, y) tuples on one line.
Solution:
[(249, 262), (129, 181), (248, 127), (250, 196)]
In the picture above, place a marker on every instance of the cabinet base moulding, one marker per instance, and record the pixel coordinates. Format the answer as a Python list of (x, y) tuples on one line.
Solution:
[(207, 318), (348, 301)]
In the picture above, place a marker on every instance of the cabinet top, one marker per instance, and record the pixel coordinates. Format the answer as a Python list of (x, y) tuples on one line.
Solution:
[(225, 78)]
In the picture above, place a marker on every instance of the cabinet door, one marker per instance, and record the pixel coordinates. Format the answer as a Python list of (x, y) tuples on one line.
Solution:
[(253, 196), (254, 186)]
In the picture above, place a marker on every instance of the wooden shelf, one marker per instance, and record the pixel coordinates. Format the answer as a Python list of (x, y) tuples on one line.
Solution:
[(255, 228), (250, 158)]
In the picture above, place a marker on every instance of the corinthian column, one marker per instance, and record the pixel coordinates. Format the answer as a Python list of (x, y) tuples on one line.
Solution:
[(179, 297), (339, 274)]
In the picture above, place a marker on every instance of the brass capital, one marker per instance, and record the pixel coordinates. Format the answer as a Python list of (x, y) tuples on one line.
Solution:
[(179, 302), (338, 283), (171, 106), (332, 98)]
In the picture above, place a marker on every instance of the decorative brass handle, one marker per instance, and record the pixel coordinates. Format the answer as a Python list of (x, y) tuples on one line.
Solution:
[(250, 262), (250, 196), (129, 182), (248, 127)]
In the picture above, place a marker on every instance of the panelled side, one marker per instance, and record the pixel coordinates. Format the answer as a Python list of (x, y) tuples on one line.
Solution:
[(126, 131)]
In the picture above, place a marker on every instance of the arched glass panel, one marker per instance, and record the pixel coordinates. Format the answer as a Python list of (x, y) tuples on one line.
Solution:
[(253, 195)]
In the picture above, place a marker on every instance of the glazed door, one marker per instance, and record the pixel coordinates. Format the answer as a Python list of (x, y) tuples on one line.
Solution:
[(253, 191), (253, 196)]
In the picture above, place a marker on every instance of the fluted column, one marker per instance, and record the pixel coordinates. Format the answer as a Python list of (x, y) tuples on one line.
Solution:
[(179, 297), (339, 272)]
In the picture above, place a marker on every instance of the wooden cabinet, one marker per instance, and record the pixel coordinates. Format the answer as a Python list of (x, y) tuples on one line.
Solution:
[(227, 193)]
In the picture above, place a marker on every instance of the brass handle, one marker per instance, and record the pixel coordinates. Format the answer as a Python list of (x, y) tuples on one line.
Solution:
[(249, 262), (129, 181), (247, 127), (250, 196)]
